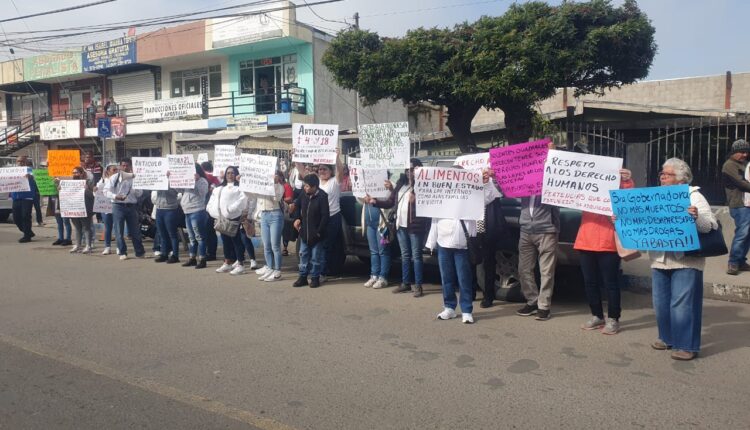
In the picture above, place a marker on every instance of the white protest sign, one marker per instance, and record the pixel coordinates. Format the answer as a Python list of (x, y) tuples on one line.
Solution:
[(385, 146), (315, 143), (367, 181), (73, 198), (181, 171), (13, 179), (580, 181), (224, 156), (202, 157), (473, 161), (257, 174), (150, 173), (102, 204), (444, 192)]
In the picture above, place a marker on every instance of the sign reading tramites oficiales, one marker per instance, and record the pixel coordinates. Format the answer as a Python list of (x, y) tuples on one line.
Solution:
[(173, 108)]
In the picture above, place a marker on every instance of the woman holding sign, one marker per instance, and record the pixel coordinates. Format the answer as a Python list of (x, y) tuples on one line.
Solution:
[(330, 181), (106, 212), (226, 205), (83, 224), (678, 279), (193, 204)]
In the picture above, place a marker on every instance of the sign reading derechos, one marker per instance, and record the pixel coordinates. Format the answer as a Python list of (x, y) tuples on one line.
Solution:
[(580, 181), (257, 174), (385, 146), (367, 181), (150, 173), (181, 171), (73, 198), (169, 109), (315, 143), (473, 161), (13, 179), (519, 169), (444, 192)]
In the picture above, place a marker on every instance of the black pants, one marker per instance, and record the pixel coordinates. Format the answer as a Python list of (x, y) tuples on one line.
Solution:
[(603, 266), (38, 208), (22, 216), (211, 241), (489, 260)]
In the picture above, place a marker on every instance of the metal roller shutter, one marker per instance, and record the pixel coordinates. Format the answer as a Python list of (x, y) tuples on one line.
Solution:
[(130, 90)]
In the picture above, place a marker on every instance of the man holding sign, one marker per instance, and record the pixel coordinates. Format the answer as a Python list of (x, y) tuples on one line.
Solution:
[(23, 202)]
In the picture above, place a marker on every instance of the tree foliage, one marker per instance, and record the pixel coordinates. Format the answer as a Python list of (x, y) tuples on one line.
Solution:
[(509, 62)]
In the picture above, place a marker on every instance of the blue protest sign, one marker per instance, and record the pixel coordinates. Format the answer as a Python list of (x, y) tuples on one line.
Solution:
[(104, 127), (655, 218)]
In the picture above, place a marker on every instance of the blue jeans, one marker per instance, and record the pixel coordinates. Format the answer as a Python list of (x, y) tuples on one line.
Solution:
[(411, 256), (108, 224), (168, 220), (310, 257), (455, 271), (196, 228), (234, 250), (271, 225), (64, 229), (741, 242), (122, 214), (678, 303), (380, 254), (333, 233)]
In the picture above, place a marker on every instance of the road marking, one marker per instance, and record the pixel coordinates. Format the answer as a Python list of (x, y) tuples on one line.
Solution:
[(171, 393)]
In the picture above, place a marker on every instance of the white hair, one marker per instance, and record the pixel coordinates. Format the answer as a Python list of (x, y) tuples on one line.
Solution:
[(681, 169)]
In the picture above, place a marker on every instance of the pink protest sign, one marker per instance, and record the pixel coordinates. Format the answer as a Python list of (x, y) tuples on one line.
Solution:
[(519, 169)]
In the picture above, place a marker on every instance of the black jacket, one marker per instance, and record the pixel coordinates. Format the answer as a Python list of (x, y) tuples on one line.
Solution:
[(314, 213)]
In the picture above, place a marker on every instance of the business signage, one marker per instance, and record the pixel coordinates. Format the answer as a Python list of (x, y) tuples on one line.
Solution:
[(51, 65), (118, 127), (169, 109), (250, 124), (234, 31), (112, 53), (60, 130)]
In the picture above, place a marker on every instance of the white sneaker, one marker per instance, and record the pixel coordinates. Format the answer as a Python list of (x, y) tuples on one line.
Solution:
[(106, 251), (273, 276), (447, 314), (118, 251), (74, 249), (86, 250), (235, 264), (380, 283), (225, 268), (467, 318), (253, 264), (123, 257), (238, 270), (370, 282), (157, 254), (263, 271)]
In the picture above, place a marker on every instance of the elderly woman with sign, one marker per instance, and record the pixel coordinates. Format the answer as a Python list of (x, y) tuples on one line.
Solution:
[(678, 277)]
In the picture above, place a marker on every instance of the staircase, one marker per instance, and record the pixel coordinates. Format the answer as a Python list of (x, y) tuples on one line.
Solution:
[(18, 135)]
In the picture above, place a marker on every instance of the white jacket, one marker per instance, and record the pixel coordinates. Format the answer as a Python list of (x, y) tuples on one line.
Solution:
[(227, 199)]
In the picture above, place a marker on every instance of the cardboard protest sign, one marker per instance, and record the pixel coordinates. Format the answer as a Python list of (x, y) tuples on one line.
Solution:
[(202, 157), (102, 204), (181, 171), (150, 173), (224, 156), (367, 181), (519, 169), (315, 143), (257, 174), (13, 179), (60, 162), (580, 181), (444, 192), (73, 198), (473, 161), (45, 183), (655, 218), (385, 146)]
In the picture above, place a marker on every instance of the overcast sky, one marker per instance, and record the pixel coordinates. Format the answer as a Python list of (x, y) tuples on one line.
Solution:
[(695, 37)]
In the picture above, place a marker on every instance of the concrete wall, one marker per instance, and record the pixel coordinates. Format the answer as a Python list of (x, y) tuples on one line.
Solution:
[(171, 42)]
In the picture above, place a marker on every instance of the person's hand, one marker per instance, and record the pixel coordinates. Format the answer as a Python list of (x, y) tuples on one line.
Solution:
[(292, 207), (491, 172), (485, 176), (297, 224), (120, 197), (412, 197), (625, 174), (551, 145), (388, 185), (614, 218), (338, 151), (693, 211)]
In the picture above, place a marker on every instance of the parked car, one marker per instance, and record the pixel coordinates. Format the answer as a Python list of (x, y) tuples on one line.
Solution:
[(355, 244), (6, 205)]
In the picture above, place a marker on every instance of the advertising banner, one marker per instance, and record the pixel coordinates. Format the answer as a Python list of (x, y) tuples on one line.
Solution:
[(444, 192), (112, 53), (51, 65)]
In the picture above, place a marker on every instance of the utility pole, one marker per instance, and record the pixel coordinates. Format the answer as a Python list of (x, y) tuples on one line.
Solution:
[(356, 108)]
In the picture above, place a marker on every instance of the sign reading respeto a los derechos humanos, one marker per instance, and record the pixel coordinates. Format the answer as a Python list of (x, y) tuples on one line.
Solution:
[(385, 146), (315, 143), (150, 173), (444, 192), (580, 181), (519, 169)]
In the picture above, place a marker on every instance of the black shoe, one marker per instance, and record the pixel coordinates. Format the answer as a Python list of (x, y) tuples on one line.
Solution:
[(417, 291), (403, 288), (542, 315), (485, 304), (32, 234), (527, 310), (201, 264), (162, 258), (67, 242), (211, 258), (24, 239), (300, 282), (57, 242), (191, 262), (314, 282), (172, 260)]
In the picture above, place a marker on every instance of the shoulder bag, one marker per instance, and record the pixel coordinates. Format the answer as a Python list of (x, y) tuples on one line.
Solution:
[(474, 245), (712, 244), (224, 225)]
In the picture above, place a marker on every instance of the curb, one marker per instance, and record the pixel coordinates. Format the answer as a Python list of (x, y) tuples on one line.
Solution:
[(713, 291)]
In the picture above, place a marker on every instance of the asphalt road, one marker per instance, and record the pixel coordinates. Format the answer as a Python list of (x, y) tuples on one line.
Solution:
[(93, 342)]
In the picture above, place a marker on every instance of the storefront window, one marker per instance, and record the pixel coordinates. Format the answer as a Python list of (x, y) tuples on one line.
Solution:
[(279, 71), (189, 82)]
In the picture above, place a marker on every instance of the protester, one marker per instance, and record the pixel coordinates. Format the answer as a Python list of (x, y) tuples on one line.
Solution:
[(346, 181), (490, 231), (247, 229), (735, 187), (228, 202), (375, 229), (288, 232), (601, 262), (410, 229), (107, 216), (167, 207), (37, 199), (271, 224), (83, 224), (211, 240), (678, 278), (193, 203), (124, 199), (329, 182), (23, 202), (154, 215), (90, 165), (311, 221), (64, 228)]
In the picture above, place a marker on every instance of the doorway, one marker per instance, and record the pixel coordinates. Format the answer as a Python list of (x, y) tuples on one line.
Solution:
[(267, 80)]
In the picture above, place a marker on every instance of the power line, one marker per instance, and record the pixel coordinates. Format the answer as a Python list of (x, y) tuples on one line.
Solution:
[(66, 9)]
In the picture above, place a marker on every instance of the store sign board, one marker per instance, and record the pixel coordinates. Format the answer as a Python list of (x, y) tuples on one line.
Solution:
[(51, 65), (109, 54), (234, 31), (170, 109), (60, 130)]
